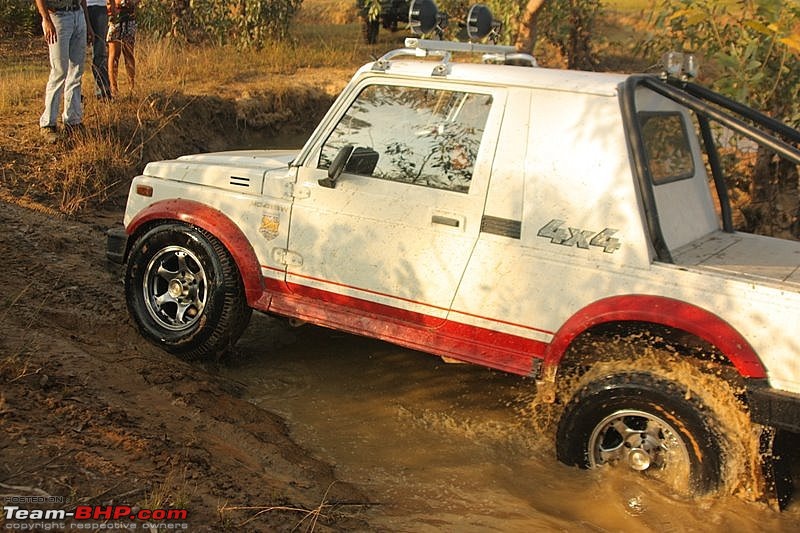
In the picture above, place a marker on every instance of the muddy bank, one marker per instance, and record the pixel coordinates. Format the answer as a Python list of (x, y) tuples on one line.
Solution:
[(92, 413), (90, 171), (254, 119)]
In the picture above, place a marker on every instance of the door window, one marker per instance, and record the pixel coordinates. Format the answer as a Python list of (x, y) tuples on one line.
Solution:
[(427, 137)]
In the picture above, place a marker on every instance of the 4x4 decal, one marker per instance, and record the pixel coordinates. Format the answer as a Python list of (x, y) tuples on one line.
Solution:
[(580, 238)]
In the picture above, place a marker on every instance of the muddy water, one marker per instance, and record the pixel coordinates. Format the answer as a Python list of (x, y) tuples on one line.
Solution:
[(442, 447)]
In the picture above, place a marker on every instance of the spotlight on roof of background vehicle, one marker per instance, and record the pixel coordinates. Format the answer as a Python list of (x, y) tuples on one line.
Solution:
[(424, 17), (679, 65), (481, 23)]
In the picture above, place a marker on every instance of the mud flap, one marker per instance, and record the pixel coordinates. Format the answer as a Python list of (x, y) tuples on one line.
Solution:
[(776, 466)]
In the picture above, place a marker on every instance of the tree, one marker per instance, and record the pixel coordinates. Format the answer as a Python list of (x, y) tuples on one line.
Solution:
[(526, 31), (753, 51), (245, 23)]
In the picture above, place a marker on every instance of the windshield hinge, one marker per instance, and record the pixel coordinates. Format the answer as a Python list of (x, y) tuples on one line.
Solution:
[(298, 192)]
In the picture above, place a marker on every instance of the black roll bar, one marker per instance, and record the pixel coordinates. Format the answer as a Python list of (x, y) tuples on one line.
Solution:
[(708, 106), (766, 121), (696, 104)]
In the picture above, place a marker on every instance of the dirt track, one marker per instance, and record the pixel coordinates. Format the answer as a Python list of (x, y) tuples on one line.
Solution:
[(91, 412)]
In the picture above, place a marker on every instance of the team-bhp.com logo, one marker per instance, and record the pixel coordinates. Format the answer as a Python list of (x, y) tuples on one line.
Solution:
[(93, 517)]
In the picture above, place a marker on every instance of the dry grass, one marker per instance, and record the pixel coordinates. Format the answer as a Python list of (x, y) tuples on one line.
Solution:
[(17, 89), (153, 121), (309, 518), (14, 363), (331, 11), (174, 492)]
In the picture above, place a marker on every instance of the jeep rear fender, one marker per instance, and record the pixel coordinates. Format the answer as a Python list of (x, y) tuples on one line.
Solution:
[(664, 312), (217, 224)]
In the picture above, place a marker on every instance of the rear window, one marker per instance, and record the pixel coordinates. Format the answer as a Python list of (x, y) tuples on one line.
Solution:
[(666, 143)]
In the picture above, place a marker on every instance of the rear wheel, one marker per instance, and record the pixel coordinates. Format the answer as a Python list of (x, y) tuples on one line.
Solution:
[(184, 291), (643, 422)]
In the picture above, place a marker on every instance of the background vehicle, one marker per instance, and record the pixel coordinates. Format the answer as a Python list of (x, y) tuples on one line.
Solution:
[(392, 14)]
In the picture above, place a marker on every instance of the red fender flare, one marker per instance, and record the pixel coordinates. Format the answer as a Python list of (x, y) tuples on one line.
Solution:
[(666, 312), (215, 223)]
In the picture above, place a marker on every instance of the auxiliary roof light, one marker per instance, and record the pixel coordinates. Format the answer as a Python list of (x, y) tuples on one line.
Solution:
[(481, 23), (424, 17), (679, 65)]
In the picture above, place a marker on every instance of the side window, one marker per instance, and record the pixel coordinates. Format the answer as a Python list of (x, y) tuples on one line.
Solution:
[(667, 145), (427, 137)]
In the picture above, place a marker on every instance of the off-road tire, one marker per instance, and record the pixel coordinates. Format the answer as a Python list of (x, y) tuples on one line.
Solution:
[(606, 406), (184, 291)]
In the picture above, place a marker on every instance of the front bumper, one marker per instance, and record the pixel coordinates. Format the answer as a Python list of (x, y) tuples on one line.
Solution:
[(116, 245), (770, 407)]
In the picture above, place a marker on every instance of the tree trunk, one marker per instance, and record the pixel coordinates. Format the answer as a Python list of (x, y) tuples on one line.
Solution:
[(526, 31), (796, 225), (764, 191), (179, 10)]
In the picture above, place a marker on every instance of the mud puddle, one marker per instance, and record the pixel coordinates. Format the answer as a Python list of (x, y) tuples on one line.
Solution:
[(452, 447)]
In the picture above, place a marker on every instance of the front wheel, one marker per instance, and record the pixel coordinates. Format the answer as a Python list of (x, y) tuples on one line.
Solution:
[(641, 422), (184, 291)]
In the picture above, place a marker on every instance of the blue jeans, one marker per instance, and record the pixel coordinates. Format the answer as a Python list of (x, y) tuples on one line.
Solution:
[(98, 18), (67, 56)]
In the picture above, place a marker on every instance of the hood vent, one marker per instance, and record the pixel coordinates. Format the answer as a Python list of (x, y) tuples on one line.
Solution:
[(239, 181)]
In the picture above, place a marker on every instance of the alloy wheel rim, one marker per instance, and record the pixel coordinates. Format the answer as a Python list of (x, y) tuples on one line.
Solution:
[(175, 288), (643, 442)]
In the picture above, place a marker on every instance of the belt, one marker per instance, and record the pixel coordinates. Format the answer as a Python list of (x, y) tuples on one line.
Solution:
[(70, 8)]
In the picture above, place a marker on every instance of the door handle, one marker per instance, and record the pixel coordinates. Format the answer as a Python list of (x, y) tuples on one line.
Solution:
[(446, 221)]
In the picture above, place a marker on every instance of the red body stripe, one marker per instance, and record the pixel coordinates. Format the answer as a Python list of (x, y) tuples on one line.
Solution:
[(430, 321), (418, 331), (504, 351)]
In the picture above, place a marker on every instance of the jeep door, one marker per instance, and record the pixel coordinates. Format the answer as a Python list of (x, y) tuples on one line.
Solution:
[(393, 235)]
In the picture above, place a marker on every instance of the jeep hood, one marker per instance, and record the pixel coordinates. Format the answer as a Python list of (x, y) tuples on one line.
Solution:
[(240, 171)]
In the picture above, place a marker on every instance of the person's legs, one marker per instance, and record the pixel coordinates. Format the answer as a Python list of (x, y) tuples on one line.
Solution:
[(73, 107), (130, 61), (113, 66), (98, 17), (59, 64)]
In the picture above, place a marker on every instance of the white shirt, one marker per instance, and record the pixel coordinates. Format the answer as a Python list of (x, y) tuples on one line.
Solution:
[(96, 3)]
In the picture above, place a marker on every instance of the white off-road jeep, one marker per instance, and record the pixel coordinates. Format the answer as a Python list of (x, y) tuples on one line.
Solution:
[(573, 227)]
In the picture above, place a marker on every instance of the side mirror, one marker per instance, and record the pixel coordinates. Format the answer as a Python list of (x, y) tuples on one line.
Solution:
[(362, 161), (337, 167)]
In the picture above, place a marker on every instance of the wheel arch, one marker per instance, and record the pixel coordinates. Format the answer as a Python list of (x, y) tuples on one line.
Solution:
[(640, 311), (215, 223)]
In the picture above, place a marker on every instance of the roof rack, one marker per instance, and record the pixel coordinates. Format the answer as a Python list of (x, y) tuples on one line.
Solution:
[(492, 53)]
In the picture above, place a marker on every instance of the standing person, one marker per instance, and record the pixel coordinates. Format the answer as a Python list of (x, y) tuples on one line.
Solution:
[(98, 20), (121, 40), (65, 24)]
